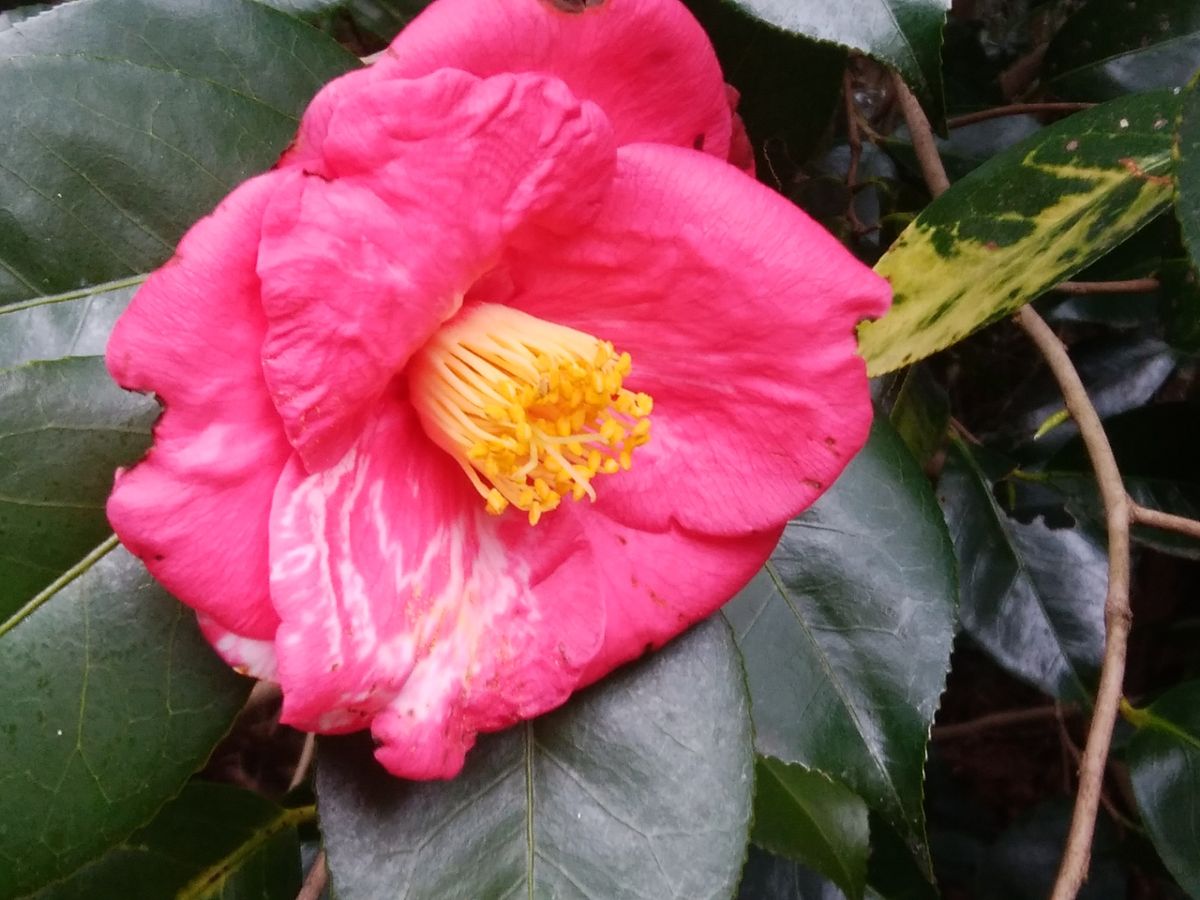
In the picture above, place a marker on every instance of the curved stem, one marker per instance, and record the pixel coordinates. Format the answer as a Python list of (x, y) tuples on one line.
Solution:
[(1118, 513), (1117, 618)]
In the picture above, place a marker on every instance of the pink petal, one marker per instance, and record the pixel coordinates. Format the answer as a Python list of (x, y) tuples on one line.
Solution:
[(647, 63), (195, 509), (249, 656), (739, 312), (655, 585), (429, 179), (405, 606)]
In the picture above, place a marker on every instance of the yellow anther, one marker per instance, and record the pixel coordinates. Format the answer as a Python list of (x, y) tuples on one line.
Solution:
[(531, 410)]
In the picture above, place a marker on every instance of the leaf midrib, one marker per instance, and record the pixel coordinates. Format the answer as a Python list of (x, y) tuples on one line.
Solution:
[(872, 754)]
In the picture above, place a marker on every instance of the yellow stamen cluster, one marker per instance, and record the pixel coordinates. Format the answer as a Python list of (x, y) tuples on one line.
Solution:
[(532, 411)]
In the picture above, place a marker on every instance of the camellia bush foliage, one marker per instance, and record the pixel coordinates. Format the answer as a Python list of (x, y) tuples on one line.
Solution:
[(904, 691)]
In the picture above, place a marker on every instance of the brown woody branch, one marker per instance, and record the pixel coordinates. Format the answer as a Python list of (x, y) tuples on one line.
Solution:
[(1118, 514), (1015, 109)]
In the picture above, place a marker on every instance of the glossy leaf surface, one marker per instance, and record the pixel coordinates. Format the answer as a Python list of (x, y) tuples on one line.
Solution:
[(1032, 596), (1027, 219), (903, 34), (64, 428), (1187, 172), (789, 87), (1164, 767), (806, 816), (846, 634), (74, 324), (127, 120), (639, 786), (111, 700), (1108, 49), (212, 842)]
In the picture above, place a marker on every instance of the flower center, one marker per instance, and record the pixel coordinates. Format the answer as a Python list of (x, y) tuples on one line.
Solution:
[(532, 411)]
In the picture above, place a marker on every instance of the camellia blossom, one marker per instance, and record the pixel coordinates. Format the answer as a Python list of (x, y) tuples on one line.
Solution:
[(506, 374)]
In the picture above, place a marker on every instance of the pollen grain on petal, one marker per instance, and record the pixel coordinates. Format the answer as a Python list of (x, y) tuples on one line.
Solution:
[(531, 410)]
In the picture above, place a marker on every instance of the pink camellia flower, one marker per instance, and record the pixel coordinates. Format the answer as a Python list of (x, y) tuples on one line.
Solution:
[(506, 374)]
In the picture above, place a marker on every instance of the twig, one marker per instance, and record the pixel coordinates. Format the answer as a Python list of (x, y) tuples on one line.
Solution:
[(304, 762), (314, 882), (1117, 617), (994, 720), (855, 141), (852, 135), (1014, 109), (1130, 286), (1115, 814), (1152, 517), (922, 138)]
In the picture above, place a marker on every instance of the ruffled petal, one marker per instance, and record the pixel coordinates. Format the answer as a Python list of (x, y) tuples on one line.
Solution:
[(421, 183), (195, 510), (739, 312), (406, 607), (647, 63)]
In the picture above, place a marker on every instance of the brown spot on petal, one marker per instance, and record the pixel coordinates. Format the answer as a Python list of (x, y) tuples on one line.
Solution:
[(830, 441), (813, 483)]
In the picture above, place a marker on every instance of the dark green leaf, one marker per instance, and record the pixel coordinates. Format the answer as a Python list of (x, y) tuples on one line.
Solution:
[(1164, 766), (1180, 287), (127, 120), (1156, 448), (892, 870), (1021, 223), (111, 700), (212, 842), (1120, 371), (384, 18), (73, 324), (1187, 171), (846, 634), (920, 412), (1110, 48), (64, 428), (967, 147), (806, 816), (768, 877), (789, 87), (640, 786), (903, 34), (1032, 596)]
